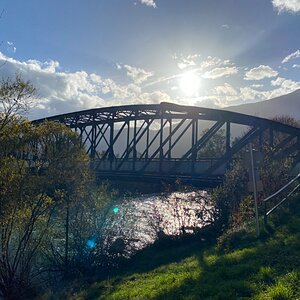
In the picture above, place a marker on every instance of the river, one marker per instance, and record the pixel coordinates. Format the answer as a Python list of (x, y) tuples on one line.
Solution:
[(135, 222)]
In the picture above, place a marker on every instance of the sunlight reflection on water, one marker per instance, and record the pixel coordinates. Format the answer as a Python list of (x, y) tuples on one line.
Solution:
[(139, 221)]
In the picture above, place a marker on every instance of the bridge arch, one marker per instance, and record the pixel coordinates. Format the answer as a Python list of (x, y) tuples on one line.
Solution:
[(161, 141)]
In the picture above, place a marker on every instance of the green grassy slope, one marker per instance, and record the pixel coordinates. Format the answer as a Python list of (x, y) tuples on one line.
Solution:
[(265, 268)]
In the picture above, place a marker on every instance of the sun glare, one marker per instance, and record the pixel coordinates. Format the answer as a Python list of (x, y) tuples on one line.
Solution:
[(189, 83)]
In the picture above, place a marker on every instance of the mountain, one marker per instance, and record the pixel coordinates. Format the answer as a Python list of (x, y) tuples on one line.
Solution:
[(284, 105)]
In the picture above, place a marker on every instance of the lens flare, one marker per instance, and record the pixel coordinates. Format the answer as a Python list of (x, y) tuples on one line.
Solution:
[(91, 243)]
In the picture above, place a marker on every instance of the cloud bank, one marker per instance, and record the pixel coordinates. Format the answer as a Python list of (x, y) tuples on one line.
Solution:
[(60, 92), (260, 72), (149, 3), (292, 6), (293, 55), (220, 72)]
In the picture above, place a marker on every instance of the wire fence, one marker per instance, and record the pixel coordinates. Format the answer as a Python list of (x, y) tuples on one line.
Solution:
[(274, 196)]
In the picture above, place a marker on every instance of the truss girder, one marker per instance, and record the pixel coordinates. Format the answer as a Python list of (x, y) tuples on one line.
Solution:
[(246, 139), (154, 131)]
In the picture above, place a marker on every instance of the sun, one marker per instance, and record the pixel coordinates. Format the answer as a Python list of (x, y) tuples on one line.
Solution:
[(189, 83)]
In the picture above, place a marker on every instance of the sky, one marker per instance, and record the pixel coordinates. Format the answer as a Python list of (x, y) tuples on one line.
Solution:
[(82, 54)]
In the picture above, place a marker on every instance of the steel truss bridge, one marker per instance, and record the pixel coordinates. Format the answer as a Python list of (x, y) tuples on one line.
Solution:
[(163, 141)]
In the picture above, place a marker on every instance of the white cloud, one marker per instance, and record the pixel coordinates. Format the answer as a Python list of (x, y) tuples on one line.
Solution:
[(248, 93), (293, 55), (277, 82), (226, 26), (223, 95), (283, 87), (286, 84), (260, 72), (61, 92), (220, 72), (138, 75), (287, 5), (154, 97), (211, 62), (149, 3), (202, 68), (186, 61), (11, 47), (95, 78), (296, 66), (192, 60), (227, 95), (225, 89)]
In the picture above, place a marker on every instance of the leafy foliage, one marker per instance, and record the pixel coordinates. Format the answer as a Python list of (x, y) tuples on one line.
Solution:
[(215, 147), (15, 97), (233, 201), (48, 199)]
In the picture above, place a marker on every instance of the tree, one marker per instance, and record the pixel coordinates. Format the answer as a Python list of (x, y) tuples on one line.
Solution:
[(275, 168), (215, 147), (44, 179), (41, 173), (232, 197), (15, 98)]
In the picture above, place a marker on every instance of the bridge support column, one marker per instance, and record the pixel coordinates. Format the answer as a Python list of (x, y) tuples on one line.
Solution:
[(147, 140), (93, 141), (170, 139), (228, 142), (111, 145), (134, 146), (161, 149), (228, 137), (194, 140), (127, 140)]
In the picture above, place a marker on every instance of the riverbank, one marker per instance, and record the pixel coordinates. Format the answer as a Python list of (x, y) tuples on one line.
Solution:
[(237, 267)]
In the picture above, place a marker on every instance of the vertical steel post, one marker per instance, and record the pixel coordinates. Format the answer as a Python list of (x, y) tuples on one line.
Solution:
[(147, 140), (127, 142), (111, 145), (161, 150), (228, 135), (93, 142), (254, 188), (170, 139), (194, 151), (134, 145)]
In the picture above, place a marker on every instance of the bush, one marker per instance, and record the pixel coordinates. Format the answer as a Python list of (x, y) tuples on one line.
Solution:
[(230, 239)]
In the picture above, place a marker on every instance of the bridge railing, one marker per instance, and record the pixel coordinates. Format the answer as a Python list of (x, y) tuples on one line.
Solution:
[(290, 185), (157, 166)]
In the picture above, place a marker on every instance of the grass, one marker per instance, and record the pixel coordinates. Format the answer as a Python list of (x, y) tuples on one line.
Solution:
[(264, 268)]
